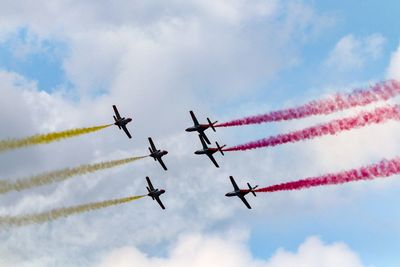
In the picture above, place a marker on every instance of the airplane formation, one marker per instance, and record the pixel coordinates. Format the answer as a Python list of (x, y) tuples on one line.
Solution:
[(384, 168), (157, 155)]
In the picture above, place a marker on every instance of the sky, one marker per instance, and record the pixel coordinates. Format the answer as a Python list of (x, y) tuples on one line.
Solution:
[(63, 64)]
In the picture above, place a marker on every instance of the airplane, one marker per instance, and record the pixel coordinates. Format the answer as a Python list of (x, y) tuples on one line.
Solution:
[(209, 151), (157, 154), (155, 193), (241, 192), (200, 128), (121, 122)]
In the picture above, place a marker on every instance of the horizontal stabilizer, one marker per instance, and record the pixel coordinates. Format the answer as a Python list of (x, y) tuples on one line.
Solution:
[(251, 189), (115, 119), (212, 124), (220, 148)]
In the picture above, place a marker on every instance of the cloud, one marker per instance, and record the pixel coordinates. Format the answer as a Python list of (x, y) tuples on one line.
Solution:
[(223, 47), (314, 253), (393, 71), (198, 250), (155, 61), (352, 53)]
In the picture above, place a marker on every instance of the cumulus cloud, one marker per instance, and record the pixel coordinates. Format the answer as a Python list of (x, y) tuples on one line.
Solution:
[(352, 53), (151, 49), (313, 253), (155, 61), (198, 250)]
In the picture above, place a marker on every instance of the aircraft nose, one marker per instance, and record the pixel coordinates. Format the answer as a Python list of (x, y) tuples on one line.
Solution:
[(166, 152), (187, 129)]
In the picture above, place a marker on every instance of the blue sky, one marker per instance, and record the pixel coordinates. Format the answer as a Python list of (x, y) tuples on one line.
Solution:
[(43, 64), (223, 60)]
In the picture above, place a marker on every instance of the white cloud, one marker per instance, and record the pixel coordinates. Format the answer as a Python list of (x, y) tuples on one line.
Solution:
[(197, 250), (393, 71), (191, 191), (314, 253), (224, 47), (352, 53), (156, 62)]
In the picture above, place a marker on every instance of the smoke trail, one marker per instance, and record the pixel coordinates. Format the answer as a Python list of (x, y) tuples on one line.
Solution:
[(379, 92), (384, 168), (62, 212), (60, 175), (47, 138), (379, 115)]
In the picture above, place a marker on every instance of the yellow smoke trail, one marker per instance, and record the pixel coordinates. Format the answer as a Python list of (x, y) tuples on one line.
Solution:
[(62, 212), (60, 175), (47, 138)]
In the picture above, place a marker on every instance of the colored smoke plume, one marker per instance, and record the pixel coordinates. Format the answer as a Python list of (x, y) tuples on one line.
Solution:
[(62, 212), (60, 175), (384, 168), (11, 144), (379, 92), (378, 115)]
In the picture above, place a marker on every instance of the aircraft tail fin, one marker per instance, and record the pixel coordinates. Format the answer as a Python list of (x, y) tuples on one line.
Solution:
[(220, 148), (212, 124), (252, 189)]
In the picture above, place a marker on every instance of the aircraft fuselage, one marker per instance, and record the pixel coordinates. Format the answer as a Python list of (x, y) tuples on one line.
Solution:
[(156, 193), (158, 153), (206, 151), (198, 128), (237, 193), (122, 121)]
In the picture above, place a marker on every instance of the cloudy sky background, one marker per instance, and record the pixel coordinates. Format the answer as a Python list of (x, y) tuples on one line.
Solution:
[(64, 63)]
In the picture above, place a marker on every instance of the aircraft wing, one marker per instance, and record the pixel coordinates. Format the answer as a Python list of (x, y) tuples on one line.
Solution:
[(245, 202), (116, 112), (162, 163), (203, 142), (205, 137), (234, 183), (152, 144), (196, 122), (213, 160), (126, 131), (160, 203), (149, 183)]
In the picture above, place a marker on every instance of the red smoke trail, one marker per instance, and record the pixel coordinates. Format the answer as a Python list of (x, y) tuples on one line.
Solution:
[(379, 115), (384, 168), (338, 102)]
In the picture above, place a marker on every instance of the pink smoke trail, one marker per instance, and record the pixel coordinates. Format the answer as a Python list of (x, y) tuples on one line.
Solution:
[(384, 168), (379, 92), (379, 115)]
